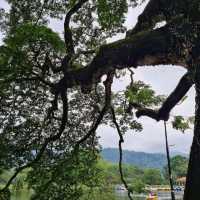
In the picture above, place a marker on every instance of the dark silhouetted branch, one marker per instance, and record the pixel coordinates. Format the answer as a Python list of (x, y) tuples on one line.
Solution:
[(121, 140), (108, 93), (146, 48), (179, 92), (148, 113), (169, 163), (67, 31)]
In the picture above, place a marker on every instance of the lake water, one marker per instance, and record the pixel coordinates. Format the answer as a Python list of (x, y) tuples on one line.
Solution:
[(122, 195)]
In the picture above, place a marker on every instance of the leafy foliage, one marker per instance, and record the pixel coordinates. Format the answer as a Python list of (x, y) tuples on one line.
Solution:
[(29, 34), (179, 167), (182, 124), (26, 49), (136, 177), (111, 13), (152, 177), (138, 186), (61, 180), (139, 92)]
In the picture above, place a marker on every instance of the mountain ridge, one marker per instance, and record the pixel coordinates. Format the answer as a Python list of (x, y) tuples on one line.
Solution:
[(140, 159)]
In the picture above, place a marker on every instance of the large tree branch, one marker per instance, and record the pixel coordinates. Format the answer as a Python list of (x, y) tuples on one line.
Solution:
[(67, 31), (179, 92), (147, 18), (147, 48)]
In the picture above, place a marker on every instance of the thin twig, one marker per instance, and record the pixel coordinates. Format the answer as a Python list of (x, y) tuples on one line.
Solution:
[(131, 76)]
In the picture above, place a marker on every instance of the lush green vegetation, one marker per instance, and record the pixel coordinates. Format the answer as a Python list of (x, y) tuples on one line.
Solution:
[(140, 159), (179, 167), (136, 177), (108, 177)]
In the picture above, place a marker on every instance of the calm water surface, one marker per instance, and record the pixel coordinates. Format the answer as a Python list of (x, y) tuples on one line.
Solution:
[(121, 195)]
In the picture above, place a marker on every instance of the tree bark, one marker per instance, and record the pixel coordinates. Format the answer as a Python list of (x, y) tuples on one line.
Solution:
[(145, 48), (192, 189)]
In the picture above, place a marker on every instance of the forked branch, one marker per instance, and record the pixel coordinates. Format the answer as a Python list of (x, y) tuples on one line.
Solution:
[(179, 92)]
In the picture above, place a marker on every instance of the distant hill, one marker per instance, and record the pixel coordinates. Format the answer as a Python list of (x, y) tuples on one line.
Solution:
[(140, 159)]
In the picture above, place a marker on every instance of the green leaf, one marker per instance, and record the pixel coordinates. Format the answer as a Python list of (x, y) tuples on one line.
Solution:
[(142, 94)]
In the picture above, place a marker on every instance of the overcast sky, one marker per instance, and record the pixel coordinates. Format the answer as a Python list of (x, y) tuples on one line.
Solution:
[(163, 80)]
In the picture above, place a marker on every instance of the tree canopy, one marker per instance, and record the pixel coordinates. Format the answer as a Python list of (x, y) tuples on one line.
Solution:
[(179, 167), (54, 95)]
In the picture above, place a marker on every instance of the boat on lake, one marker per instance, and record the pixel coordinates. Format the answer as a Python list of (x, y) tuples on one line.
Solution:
[(152, 196)]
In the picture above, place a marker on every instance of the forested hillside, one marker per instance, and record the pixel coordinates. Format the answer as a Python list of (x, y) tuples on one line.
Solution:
[(140, 159)]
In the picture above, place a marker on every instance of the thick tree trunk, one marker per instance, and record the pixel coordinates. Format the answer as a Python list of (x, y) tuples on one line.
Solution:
[(192, 190)]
